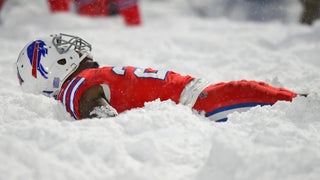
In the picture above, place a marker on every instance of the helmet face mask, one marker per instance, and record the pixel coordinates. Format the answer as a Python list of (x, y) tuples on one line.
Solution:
[(63, 43), (43, 65)]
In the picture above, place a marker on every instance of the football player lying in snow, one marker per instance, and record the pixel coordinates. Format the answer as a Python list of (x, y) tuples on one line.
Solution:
[(61, 66)]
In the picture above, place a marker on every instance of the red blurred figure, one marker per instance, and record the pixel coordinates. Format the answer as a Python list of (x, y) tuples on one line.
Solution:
[(92, 7), (128, 9), (1, 3), (59, 5)]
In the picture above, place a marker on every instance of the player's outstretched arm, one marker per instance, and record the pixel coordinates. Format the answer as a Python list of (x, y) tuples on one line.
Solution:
[(93, 104)]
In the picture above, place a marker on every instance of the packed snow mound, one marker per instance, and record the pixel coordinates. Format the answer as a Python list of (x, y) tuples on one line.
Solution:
[(165, 141)]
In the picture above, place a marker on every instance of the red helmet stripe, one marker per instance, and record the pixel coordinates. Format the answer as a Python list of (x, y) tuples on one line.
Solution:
[(35, 60)]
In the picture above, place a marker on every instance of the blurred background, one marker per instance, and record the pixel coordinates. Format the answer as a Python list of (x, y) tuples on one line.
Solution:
[(303, 11), (275, 41)]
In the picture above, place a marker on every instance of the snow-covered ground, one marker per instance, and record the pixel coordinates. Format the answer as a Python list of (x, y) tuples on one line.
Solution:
[(164, 141)]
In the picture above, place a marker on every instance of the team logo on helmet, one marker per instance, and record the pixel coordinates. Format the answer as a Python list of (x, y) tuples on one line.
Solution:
[(36, 51)]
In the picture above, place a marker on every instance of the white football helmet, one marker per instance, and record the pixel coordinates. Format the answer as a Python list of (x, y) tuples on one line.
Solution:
[(44, 64)]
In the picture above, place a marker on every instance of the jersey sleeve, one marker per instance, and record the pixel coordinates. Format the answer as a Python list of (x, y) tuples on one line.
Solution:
[(71, 94)]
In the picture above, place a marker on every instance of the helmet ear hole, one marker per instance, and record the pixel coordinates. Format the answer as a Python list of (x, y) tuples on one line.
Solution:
[(62, 61)]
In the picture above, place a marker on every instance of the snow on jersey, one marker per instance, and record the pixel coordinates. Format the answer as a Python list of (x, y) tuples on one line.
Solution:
[(127, 87)]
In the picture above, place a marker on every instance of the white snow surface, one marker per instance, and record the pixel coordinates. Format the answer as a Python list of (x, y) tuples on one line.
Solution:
[(165, 141)]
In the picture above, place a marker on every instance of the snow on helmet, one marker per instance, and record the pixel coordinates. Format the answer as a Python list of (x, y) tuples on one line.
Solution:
[(44, 64)]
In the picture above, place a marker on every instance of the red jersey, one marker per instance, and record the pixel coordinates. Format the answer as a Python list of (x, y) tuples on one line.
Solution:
[(125, 87)]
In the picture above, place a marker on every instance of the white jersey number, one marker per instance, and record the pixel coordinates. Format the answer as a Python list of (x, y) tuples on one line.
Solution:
[(142, 73)]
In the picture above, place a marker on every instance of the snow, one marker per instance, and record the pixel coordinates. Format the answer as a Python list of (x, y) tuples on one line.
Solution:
[(165, 141)]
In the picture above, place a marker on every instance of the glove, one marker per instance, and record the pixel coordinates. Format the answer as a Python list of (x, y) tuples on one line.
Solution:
[(104, 112)]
